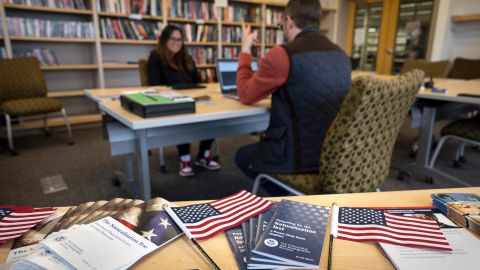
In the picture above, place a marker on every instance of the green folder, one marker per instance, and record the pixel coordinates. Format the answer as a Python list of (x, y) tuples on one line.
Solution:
[(154, 106)]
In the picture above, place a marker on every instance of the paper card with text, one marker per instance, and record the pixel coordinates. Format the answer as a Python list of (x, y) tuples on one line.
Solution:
[(104, 244)]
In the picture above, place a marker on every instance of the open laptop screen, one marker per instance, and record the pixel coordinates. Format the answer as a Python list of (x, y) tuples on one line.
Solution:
[(227, 73)]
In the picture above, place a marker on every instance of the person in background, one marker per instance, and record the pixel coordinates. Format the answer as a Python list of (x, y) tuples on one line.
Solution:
[(307, 78), (170, 64)]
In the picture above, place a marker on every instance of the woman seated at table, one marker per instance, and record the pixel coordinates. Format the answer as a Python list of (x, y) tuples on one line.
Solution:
[(170, 64)]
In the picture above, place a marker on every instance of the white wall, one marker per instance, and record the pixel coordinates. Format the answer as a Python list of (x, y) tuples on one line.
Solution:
[(453, 40)]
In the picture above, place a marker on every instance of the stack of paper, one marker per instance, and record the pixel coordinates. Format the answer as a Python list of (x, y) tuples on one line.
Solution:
[(288, 235)]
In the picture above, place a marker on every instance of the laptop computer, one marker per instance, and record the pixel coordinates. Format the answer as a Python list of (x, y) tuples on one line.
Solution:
[(227, 76)]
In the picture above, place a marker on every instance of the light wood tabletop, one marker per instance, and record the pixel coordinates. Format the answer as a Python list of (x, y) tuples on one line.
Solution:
[(218, 107), (180, 254)]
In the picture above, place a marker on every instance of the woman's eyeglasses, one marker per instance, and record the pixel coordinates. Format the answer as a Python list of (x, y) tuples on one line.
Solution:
[(175, 39)]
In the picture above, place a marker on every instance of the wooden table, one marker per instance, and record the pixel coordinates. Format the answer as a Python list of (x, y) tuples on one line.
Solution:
[(218, 117), (346, 255)]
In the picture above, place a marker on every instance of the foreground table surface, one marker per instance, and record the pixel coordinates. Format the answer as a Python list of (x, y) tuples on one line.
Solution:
[(180, 254)]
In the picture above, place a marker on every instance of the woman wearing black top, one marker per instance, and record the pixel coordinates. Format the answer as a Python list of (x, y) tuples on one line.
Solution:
[(170, 64)]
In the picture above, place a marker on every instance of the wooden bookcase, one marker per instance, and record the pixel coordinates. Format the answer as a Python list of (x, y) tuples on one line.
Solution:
[(100, 62)]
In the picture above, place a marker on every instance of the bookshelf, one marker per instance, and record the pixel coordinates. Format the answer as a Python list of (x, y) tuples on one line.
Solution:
[(466, 18), (100, 61)]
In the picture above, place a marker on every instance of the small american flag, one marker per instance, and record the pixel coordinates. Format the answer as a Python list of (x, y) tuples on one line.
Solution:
[(370, 225), (203, 221), (14, 220)]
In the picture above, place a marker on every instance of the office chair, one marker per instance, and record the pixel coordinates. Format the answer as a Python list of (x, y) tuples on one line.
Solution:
[(143, 69), (358, 147), (23, 92), (465, 69), (432, 69), (463, 130)]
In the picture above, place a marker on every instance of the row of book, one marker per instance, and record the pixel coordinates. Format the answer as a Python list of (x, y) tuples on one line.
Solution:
[(232, 52), (202, 56), (232, 34), (246, 13), (71, 4), (45, 56), (199, 32), (193, 9), (130, 29), (49, 28), (462, 208), (273, 16), (3, 53), (273, 36), (208, 75), (143, 7)]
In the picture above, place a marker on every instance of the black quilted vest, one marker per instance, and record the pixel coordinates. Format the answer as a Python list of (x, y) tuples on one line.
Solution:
[(304, 108)]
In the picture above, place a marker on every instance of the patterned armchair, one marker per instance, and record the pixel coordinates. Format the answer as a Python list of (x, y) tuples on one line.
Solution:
[(142, 67), (432, 69), (358, 147), (23, 92)]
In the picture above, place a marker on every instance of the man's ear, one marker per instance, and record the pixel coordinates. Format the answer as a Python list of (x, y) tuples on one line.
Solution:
[(289, 22)]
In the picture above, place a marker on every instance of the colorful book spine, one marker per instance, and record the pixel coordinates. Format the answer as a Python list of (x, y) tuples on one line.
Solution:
[(67, 4), (199, 32), (49, 28), (3, 53), (142, 7), (273, 16), (129, 29), (45, 56), (192, 9), (208, 75), (274, 36), (202, 56), (242, 12)]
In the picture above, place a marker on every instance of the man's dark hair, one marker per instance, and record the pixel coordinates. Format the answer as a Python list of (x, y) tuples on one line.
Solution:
[(305, 13)]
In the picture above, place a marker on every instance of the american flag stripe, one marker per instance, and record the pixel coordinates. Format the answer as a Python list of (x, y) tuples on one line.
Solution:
[(389, 240), (208, 234), (6, 238), (230, 198), (228, 219), (16, 221), (427, 239), (248, 206), (370, 225), (392, 230), (203, 221)]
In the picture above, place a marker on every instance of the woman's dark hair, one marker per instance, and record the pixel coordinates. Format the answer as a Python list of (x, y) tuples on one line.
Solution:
[(305, 13), (180, 60)]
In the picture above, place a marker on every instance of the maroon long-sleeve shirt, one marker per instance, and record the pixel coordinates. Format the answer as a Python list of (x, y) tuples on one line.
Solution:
[(271, 74)]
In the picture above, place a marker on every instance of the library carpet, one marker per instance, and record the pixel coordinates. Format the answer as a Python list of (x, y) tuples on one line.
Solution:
[(87, 169)]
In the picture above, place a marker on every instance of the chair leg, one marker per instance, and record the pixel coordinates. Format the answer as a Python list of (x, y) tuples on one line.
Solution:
[(46, 129), (267, 177), (163, 168), (8, 121), (217, 150), (67, 124), (437, 150)]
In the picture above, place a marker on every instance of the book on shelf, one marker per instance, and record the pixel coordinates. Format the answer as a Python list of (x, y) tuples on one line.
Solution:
[(208, 75), (242, 12), (67, 4), (273, 16), (199, 32), (202, 56), (232, 34), (193, 9), (142, 7), (45, 56), (230, 52), (28, 27), (119, 29), (274, 36)]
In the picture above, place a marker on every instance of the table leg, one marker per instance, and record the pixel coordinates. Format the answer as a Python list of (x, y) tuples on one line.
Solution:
[(143, 164)]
